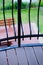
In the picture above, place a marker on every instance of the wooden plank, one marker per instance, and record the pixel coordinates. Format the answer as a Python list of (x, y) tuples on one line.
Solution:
[(21, 56), (12, 57), (30, 56), (39, 54), (3, 60)]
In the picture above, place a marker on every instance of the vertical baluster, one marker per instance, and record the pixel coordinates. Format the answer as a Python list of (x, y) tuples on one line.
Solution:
[(13, 20), (0, 43), (19, 22), (5, 20), (29, 19), (38, 17), (22, 30), (22, 26)]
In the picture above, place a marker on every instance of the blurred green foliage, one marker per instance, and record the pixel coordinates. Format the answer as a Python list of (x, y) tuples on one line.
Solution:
[(24, 5)]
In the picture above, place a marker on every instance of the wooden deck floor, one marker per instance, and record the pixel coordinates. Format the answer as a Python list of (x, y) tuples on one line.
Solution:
[(22, 56)]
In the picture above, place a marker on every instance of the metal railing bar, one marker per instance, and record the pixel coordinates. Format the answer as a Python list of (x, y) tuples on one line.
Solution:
[(8, 48), (19, 22), (38, 17), (31, 45), (22, 45), (29, 18), (5, 19), (22, 36), (22, 26), (0, 42), (13, 20), (22, 30)]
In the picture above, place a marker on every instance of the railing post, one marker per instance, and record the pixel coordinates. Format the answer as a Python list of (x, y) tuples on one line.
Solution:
[(29, 19), (5, 19), (19, 21), (13, 20), (38, 17)]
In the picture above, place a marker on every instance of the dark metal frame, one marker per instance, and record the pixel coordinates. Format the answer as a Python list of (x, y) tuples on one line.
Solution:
[(20, 27)]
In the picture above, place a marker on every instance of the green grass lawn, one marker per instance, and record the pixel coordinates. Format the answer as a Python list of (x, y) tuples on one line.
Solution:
[(25, 16)]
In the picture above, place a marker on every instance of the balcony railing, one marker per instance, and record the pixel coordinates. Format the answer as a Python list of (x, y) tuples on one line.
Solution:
[(20, 26)]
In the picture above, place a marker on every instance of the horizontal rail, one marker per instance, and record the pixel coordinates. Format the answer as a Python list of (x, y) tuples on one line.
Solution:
[(23, 45), (22, 36)]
